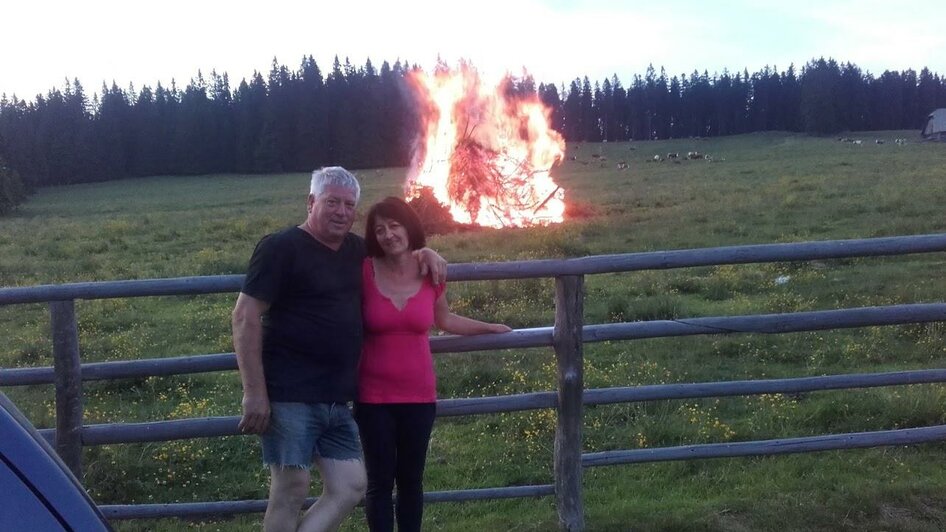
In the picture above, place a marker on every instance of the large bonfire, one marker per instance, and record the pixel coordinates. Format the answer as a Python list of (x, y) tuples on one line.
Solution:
[(484, 151)]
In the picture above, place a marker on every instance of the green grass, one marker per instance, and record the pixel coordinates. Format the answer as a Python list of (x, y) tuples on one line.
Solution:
[(758, 188)]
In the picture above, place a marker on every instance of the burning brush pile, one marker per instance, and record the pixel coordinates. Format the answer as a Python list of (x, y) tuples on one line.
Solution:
[(483, 155)]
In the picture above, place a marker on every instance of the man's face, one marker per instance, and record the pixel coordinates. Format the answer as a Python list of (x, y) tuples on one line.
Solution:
[(332, 213)]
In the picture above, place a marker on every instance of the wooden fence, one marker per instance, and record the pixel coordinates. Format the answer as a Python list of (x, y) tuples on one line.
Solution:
[(567, 337)]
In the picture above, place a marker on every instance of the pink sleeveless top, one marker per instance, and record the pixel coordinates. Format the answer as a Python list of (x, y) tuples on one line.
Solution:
[(396, 364)]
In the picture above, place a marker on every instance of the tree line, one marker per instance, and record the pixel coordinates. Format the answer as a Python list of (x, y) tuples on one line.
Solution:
[(364, 117)]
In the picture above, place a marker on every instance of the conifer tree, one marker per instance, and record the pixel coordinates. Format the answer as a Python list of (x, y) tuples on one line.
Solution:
[(12, 189), (820, 96)]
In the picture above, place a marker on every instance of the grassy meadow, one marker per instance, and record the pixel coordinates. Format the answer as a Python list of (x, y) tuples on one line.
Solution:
[(759, 188)]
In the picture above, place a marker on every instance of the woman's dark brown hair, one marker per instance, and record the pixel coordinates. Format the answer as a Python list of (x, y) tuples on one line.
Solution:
[(398, 210)]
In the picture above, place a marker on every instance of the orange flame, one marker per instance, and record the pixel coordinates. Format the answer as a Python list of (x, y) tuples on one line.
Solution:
[(485, 152)]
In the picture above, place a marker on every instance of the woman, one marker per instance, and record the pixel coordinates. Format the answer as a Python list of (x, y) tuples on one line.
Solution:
[(397, 387)]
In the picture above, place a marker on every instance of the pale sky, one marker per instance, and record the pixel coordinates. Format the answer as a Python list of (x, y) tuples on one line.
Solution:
[(42, 43)]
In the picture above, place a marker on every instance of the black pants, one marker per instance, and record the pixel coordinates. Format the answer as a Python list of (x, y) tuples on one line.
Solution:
[(394, 438)]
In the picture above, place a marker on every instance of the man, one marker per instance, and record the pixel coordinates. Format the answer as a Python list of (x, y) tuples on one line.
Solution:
[(297, 334)]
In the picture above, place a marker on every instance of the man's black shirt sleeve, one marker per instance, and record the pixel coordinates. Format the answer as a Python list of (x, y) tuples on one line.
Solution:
[(264, 276)]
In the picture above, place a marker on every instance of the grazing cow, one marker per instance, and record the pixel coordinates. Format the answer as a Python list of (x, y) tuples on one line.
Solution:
[(878, 141), (673, 155), (622, 165), (858, 142), (694, 155), (573, 158)]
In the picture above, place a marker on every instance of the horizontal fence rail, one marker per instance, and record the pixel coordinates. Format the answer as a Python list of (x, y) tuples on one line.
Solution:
[(627, 262), (180, 286), (125, 369), (567, 337), (817, 320), (830, 442), (606, 458), (688, 258), (154, 431), (537, 337), (689, 452), (204, 509)]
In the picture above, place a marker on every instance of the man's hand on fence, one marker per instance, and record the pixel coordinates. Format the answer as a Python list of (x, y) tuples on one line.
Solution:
[(255, 418)]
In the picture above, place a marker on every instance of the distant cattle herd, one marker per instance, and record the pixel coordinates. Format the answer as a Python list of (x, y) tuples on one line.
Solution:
[(860, 142), (623, 165), (677, 157)]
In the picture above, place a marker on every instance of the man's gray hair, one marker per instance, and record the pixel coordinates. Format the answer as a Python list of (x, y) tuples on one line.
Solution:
[(336, 176)]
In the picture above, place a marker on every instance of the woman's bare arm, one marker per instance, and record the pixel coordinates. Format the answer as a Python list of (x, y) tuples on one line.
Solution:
[(455, 324)]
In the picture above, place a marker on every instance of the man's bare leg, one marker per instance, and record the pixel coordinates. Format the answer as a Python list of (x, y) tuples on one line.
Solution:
[(288, 488), (343, 487)]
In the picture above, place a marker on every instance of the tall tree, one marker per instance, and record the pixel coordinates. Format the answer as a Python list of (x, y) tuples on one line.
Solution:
[(250, 103), (853, 106), (820, 97), (927, 88), (312, 126), (12, 189), (589, 130), (572, 112), (549, 96), (113, 134), (222, 140)]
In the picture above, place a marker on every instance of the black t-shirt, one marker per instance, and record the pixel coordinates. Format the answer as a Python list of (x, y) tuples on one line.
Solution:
[(312, 331)]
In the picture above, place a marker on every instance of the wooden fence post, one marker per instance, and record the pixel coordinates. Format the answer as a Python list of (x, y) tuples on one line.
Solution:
[(68, 372), (567, 340)]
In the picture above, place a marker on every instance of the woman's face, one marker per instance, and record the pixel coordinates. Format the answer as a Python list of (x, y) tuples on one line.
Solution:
[(392, 236)]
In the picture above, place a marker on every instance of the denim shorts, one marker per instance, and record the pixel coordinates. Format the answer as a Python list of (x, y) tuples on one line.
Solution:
[(299, 433)]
